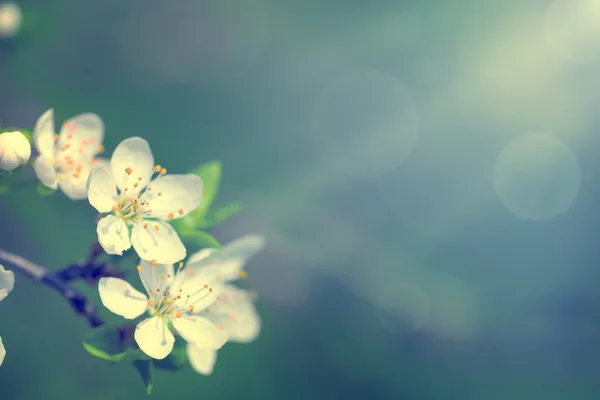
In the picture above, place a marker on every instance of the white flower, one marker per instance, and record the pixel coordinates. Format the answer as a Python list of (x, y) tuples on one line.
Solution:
[(235, 314), (234, 310), (14, 150), (174, 297), (7, 282), (67, 159), (10, 19), (228, 263), (147, 199)]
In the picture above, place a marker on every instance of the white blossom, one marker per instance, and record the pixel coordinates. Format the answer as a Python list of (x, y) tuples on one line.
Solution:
[(14, 150), (174, 297), (67, 159), (140, 198), (7, 283), (10, 19)]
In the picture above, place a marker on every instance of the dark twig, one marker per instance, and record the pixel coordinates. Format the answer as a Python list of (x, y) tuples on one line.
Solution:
[(56, 281)]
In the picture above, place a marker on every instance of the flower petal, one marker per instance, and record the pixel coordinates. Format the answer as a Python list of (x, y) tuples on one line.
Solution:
[(14, 150), (180, 195), (44, 170), (154, 338), (203, 361), (132, 153), (101, 189), (121, 298), (43, 134), (2, 352), (235, 311), (74, 186), (200, 255), (7, 282), (200, 331), (227, 264), (113, 235), (81, 136), (159, 276), (162, 245)]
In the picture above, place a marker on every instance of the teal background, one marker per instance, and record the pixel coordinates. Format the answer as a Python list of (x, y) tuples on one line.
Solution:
[(412, 281)]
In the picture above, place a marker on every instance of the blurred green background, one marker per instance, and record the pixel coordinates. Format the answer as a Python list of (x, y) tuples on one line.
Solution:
[(425, 173)]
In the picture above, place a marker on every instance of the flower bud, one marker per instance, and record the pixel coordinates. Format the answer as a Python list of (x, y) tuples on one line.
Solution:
[(10, 19), (14, 150)]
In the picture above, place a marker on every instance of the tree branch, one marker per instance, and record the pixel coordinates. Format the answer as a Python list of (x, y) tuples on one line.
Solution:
[(56, 281)]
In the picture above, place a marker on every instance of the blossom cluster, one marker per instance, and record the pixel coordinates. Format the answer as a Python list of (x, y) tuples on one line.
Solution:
[(194, 299)]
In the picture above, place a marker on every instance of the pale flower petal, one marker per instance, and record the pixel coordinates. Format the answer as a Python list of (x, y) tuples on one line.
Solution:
[(200, 255), (180, 195), (7, 282), (132, 153), (43, 135), (227, 264), (2, 352), (203, 361), (81, 136), (200, 331), (113, 235), (158, 276), (74, 187), (154, 338), (162, 245), (121, 298), (14, 150), (44, 170), (10, 19), (235, 312), (102, 189)]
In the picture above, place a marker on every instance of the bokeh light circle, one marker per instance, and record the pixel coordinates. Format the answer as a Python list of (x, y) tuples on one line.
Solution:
[(10, 19), (365, 123), (537, 177), (573, 29), (403, 307)]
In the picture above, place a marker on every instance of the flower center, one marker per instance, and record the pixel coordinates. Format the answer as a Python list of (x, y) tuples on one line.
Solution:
[(134, 200), (70, 153), (174, 299)]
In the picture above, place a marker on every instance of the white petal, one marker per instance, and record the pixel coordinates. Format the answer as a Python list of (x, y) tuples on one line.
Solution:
[(121, 298), (200, 331), (113, 235), (74, 187), (154, 338), (203, 361), (162, 245), (83, 134), (235, 312), (227, 264), (178, 193), (44, 170), (7, 282), (14, 150), (203, 290), (43, 135), (201, 255), (102, 189), (132, 153), (2, 351), (159, 276)]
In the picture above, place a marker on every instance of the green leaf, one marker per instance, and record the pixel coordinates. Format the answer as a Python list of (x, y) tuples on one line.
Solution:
[(210, 173), (27, 133), (44, 191), (176, 360), (217, 215), (146, 370), (211, 178), (201, 239), (105, 343)]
